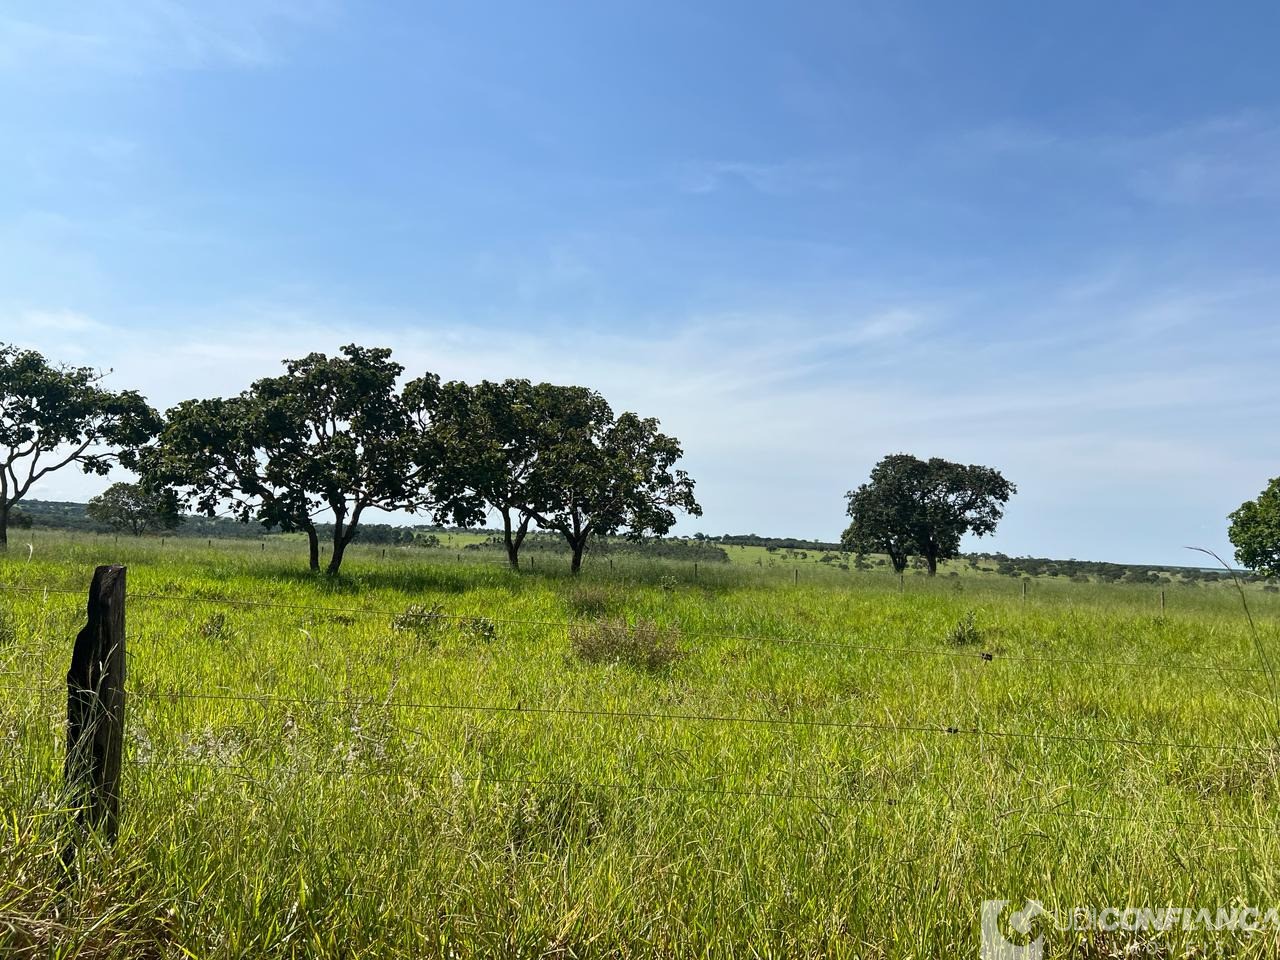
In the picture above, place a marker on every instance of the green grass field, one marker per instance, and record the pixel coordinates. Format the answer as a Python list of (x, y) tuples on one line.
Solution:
[(419, 761)]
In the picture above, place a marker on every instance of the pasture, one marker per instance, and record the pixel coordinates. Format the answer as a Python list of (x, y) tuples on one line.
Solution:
[(433, 756)]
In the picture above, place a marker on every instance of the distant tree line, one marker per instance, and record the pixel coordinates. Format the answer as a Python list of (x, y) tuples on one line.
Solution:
[(777, 543), (657, 548), (1081, 570)]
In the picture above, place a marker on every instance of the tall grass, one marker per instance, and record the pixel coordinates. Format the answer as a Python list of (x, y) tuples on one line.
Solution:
[(301, 781)]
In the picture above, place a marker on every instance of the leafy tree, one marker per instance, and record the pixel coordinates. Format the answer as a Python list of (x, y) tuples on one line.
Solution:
[(135, 508), (1255, 531), (486, 442), (52, 416), (912, 506), (596, 475), (332, 434)]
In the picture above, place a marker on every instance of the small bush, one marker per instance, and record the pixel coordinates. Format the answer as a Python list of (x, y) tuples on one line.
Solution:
[(591, 599), (425, 623), (965, 633), (480, 629), (644, 644)]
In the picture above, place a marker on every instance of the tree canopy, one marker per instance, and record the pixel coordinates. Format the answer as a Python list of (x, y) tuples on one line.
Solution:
[(330, 434), (924, 507), (1255, 531), (53, 416), (485, 440), (597, 475), (134, 508)]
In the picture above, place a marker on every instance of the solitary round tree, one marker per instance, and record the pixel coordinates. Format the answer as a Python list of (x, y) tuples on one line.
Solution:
[(135, 509), (924, 507), (1255, 531)]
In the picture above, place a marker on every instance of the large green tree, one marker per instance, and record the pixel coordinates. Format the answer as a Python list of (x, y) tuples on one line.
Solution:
[(332, 435), (1255, 531), (54, 416), (596, 475), (485, 440), (136, 509), (924, 507)]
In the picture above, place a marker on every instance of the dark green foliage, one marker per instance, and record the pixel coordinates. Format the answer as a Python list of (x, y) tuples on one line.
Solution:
[(1255, 531), (486, 440), (331, 434), (135, 509), (53, 416), (924, 508)]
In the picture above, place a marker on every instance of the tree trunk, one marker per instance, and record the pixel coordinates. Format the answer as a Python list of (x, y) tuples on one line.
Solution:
[(931, 558), (4, 527), (313, 545), (514, 537), (335, 561), (578, 547), (342, 537), (899, 561)]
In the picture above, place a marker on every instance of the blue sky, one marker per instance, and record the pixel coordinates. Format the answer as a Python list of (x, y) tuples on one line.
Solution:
[(802, 235)]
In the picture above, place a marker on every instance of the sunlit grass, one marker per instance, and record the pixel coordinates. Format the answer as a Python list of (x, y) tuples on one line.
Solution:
[(414, 761)]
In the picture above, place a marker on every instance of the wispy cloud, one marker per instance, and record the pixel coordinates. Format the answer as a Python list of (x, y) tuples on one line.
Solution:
[(138, 36), (782, 178), (1230, 158)]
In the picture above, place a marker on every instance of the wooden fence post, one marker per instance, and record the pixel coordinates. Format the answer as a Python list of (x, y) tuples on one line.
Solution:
[(95, 709), (1024, 589), (1162, 603)]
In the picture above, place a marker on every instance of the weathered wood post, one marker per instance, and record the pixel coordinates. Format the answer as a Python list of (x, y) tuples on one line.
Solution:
[(1162, 602), (95, 709), (695, 569), (1024, 590)]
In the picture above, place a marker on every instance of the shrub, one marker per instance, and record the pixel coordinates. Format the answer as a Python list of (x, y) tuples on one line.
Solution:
[(645, 645), (425, 623), (480, 629), (591, 599), (965, 633)]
